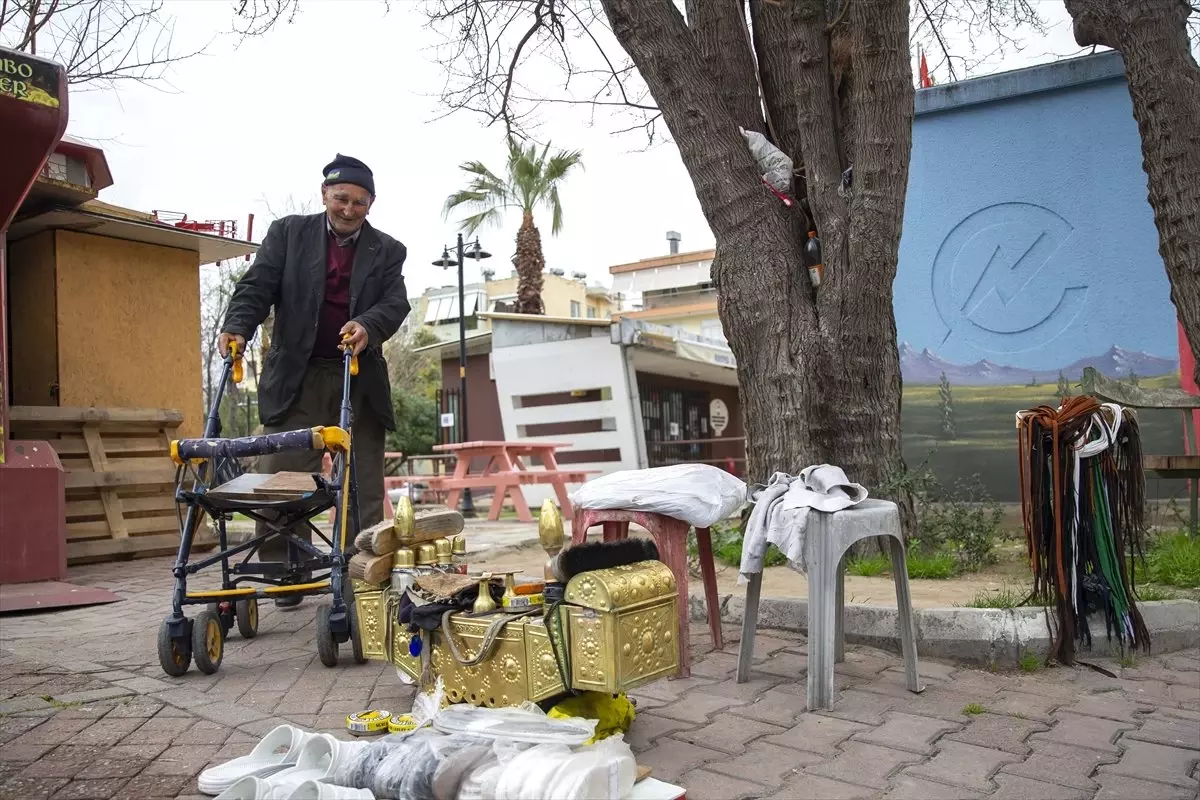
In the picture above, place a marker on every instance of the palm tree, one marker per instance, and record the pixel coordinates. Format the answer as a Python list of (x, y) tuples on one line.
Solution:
[(532, 181)]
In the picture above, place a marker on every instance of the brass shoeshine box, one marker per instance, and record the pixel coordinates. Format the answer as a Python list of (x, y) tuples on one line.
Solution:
[(621, 625)]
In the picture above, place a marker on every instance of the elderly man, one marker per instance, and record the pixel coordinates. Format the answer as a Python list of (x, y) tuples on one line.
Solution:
[(328, 275)]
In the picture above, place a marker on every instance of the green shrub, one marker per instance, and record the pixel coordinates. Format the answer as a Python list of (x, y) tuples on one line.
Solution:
[(868, 566), (964, 523), (1175, 561), (938, 566)]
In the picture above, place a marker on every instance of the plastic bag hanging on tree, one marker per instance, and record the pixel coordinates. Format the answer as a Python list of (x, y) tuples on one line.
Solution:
[(812, 259), (773, 164)]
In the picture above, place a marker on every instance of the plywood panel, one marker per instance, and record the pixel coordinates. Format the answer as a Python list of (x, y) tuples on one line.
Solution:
[(129, 326), (32, 315)]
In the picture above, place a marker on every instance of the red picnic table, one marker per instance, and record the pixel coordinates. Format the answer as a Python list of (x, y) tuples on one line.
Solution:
[(506, 473)]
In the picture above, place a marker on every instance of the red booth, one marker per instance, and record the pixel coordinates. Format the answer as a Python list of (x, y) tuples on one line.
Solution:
[(33, 116)]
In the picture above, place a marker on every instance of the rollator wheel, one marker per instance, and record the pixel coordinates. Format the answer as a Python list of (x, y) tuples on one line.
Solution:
[(355, 638), (247, 618), (174, 655), (208, 642), (327, 646)]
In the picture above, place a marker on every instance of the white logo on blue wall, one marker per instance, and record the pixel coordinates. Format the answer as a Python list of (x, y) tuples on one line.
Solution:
[(997, 284)]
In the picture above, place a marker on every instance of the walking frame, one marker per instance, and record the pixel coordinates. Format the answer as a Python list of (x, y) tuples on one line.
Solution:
[(220, 489)]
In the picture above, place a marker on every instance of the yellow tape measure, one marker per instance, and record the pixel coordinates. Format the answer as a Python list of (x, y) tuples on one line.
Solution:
[(402, 723), (367, 723)]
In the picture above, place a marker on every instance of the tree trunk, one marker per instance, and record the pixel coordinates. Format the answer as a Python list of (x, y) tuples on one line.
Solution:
[(1164, 84), (530, 263), (818, 370)]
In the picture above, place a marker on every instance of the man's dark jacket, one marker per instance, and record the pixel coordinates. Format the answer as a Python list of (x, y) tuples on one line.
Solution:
[(289, 273)]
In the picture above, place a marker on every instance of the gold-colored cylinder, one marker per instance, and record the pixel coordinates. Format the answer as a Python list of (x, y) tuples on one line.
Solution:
[(442, 551), (426, 555), (404, 558), (404, 520), (458, 545)]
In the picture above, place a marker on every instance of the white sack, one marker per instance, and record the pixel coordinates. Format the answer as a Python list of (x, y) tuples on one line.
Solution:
[(699, 494)]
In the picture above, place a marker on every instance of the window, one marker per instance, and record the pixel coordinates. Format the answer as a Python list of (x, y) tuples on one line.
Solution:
[(575, 308), (591, 312)]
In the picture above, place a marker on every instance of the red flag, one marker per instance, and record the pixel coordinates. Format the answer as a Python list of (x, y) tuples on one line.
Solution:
[(926, 81)]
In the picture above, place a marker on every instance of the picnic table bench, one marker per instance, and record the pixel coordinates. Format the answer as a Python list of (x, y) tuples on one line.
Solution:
[(505, 473), (1164, 466)]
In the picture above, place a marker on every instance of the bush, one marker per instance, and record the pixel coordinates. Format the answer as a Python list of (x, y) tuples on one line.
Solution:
[(1175, 561), (727, 546), (416, 423), (964, 523), (938, 566), (868, 566)]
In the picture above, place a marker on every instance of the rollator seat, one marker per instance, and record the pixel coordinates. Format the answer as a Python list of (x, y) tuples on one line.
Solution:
[(269, 487)]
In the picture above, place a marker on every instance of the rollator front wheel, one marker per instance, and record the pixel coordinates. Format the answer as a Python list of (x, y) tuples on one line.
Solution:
[(174, 655), (327, 646), (208, 642), (247, 618)]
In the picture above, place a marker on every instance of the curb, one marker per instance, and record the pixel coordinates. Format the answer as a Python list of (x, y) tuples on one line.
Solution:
[(983, 636)]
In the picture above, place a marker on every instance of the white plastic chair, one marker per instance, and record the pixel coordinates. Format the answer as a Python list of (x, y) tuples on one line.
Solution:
[(827, 539)]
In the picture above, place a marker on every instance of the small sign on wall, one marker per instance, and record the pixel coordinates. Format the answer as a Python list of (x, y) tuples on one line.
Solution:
[(448, 420), (718, 415), (673, 430)]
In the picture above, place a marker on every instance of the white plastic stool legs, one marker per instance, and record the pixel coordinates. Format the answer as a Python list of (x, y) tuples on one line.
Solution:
[(829, 538)]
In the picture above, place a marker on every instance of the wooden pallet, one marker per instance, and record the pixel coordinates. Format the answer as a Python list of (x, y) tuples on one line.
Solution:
[(120, 479)]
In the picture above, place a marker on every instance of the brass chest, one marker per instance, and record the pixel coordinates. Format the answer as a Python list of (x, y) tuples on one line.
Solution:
[(621, 625)]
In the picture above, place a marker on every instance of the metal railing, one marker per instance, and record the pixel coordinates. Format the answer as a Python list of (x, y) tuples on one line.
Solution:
[(700, 451)]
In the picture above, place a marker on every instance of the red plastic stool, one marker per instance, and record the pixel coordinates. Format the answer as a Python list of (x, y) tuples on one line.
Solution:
[(670, 535)]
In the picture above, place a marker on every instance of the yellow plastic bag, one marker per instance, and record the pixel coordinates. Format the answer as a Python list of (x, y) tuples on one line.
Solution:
[(613, 713)]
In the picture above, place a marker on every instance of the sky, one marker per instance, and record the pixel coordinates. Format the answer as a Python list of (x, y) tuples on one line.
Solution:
[(250, 125)]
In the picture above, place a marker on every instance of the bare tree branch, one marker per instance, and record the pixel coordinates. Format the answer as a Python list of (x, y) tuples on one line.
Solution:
[(98, 42), (490, 49)]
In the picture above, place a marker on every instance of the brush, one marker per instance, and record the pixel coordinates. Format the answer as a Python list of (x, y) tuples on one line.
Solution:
[(589, 556)]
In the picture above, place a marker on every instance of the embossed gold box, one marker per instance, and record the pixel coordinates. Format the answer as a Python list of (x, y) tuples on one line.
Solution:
[(623, 626)]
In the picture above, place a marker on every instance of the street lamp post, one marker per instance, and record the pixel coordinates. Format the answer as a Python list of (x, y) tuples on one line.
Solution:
[(478, 253)]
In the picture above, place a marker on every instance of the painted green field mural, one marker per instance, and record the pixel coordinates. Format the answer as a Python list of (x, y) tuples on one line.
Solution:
[(985, 436)]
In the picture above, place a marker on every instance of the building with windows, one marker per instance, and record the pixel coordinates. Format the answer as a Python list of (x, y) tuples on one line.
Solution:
[(567, 297)]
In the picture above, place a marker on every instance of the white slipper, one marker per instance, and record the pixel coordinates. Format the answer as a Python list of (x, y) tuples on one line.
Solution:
[(318, 761), (248, 788), (316, 790), (276, 751)]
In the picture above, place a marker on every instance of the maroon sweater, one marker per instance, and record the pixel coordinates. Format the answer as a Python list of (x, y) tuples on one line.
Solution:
[(335, 311)]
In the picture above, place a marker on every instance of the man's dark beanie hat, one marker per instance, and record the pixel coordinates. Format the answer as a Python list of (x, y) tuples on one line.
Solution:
[(345, 169)]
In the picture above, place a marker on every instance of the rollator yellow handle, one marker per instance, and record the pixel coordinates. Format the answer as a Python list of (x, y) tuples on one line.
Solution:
[(353, 358), (237, 362)]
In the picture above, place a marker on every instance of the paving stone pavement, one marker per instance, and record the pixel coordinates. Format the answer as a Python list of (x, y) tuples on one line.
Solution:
[(85, 712)]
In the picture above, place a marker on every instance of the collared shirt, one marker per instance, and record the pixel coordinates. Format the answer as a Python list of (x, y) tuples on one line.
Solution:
[(342, 241), (335, 309)]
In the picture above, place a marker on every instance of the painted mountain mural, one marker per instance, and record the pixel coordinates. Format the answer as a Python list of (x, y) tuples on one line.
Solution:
[(926, 367)]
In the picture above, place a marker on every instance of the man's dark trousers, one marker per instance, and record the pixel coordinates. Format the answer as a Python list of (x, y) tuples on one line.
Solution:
[(319, 403)]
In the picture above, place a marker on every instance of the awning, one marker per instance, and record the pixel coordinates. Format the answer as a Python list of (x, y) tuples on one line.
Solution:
[(670, 340), (444, 308), (208, 248)]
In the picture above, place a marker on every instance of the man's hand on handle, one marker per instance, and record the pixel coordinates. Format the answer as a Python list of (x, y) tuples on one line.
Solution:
[(357, 334), (226, 339)]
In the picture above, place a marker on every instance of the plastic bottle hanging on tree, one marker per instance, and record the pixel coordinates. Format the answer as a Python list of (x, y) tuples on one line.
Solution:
[(812, 259)]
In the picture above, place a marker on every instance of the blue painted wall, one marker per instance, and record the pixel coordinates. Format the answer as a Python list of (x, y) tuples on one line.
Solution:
[(1029, 251), (1027, 230)]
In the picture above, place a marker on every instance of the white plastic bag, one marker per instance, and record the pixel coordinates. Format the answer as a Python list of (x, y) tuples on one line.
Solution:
[(699, 494), (773, 163)]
